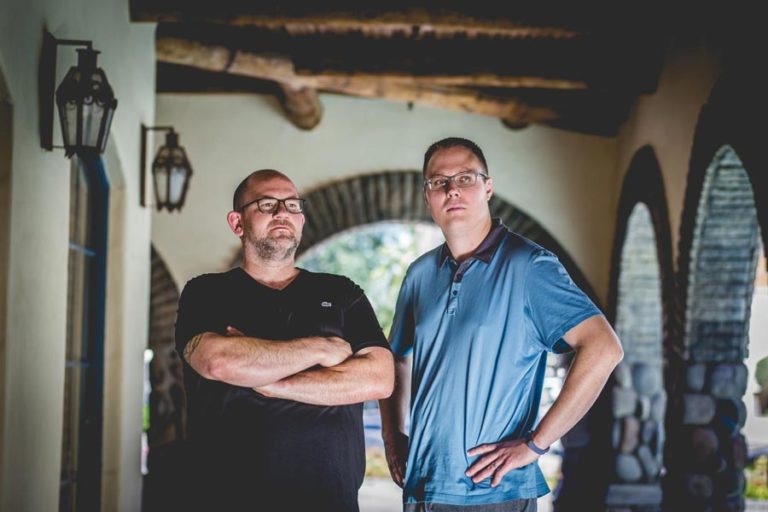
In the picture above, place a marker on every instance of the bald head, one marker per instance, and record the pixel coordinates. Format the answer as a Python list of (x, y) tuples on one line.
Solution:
[(252, 180)]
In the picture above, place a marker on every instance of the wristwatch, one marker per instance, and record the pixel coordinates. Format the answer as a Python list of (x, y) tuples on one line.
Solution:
[(529, 442)]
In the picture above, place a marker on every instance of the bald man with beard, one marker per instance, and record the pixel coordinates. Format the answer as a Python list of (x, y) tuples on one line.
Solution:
[(277, 361)]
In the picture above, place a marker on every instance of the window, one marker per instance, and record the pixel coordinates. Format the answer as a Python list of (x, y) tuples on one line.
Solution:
[(84, 373)]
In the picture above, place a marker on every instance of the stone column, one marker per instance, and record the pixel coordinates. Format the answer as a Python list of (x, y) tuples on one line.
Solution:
[(638, 405)]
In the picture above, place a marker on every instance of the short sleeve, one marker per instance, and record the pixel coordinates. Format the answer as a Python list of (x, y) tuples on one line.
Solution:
[(194, 315), (361, 327), (553, 302), (403, 326)]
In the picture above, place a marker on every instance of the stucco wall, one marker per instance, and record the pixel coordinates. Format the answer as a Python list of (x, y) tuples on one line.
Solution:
[(37, 261), (563, 180)]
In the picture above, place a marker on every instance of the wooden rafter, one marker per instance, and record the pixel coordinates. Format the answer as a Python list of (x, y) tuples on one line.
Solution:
[(373, 18), (280, 69)]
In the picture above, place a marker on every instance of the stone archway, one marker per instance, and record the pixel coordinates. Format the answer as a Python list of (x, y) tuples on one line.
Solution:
[(397, 195), (709, 450), (6, 143), (724, 205), (640, 301), (614, 454), (167, 411)]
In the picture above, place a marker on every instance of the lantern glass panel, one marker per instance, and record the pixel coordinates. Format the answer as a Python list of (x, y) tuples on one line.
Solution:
[(92, 114), (160, 173), (68, 116), (107, 126), (178, 179)]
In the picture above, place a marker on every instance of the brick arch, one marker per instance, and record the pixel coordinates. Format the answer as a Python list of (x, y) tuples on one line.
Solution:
[(397, 195), (167, 401), (724, 207)]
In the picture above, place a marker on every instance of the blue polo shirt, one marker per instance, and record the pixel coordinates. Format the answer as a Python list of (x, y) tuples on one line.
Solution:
[(479, 333)]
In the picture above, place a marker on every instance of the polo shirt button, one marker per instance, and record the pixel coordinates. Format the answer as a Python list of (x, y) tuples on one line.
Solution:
[(454, 292)]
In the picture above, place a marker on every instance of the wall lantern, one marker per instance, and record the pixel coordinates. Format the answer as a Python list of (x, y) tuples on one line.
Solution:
[(84, 98), (171, 170)]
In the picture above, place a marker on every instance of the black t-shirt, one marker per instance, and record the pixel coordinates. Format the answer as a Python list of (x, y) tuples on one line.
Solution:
[(257, 453)]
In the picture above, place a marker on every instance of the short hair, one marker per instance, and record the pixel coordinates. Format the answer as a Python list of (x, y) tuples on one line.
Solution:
[(452, 142), (242, 188)]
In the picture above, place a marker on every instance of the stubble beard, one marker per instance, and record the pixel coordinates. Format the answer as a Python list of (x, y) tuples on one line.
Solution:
[(274, 249)]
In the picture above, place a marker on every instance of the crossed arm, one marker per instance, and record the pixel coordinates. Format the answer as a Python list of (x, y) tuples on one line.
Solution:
[(317, 370)]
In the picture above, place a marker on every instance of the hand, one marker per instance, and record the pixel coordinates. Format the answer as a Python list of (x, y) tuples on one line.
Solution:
[(499, 459), (396, 450), (334, 350)]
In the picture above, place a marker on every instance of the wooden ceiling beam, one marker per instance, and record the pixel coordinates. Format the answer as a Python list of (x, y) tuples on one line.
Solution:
[(219, 57), (280, 69), (381, 18)]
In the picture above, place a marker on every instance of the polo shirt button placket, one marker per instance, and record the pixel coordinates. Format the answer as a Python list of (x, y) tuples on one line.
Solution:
[(453, 298)]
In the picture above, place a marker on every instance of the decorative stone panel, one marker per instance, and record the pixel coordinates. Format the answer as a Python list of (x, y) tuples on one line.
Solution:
[(710, 451)]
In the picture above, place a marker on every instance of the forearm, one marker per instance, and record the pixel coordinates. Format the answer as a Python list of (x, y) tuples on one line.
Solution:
[(586, 378), (368, 375), (250, 362), (394, 410)]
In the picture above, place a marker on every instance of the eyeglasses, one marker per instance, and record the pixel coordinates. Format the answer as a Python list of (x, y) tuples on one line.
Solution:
[(271, 204), (462, 180)]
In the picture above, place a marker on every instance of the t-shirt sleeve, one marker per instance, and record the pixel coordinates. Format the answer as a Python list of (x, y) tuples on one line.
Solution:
[(194, 315), (554, 304), (361, 327), (403, 326)]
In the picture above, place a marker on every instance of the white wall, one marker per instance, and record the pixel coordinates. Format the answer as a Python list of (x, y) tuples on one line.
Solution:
[(37, 263), (563, 180)]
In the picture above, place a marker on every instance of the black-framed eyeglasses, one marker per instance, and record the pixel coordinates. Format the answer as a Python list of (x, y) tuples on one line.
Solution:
[(462, 180), (271, 204)]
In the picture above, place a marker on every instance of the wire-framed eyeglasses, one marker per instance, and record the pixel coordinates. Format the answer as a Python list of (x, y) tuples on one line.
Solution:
[(462, 180), (271, 204)]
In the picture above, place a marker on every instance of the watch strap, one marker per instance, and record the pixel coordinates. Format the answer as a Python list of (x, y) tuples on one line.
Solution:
[(532, 446)]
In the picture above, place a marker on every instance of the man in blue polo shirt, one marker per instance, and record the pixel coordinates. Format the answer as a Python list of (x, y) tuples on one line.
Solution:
[(474, 322)]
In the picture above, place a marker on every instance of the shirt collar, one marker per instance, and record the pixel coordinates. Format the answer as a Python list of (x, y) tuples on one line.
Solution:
[(487, 247)]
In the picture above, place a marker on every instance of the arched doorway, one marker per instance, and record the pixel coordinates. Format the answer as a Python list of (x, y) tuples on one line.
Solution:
[(166, 404), (397, 195), (641, 296), (717, 281)]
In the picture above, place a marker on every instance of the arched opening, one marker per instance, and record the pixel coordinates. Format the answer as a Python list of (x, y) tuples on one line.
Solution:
[(397, 195), (6, 127), (615, 453), (165, 418), (639, 398), (709, 449)]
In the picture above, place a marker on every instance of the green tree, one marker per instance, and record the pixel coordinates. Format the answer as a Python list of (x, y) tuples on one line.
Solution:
[(375, 257)]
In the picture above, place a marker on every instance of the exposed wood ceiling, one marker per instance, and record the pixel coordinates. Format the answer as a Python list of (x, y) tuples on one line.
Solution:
[(520, 64)]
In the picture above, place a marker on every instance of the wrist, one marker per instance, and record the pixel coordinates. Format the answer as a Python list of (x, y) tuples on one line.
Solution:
[(537, 449)]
